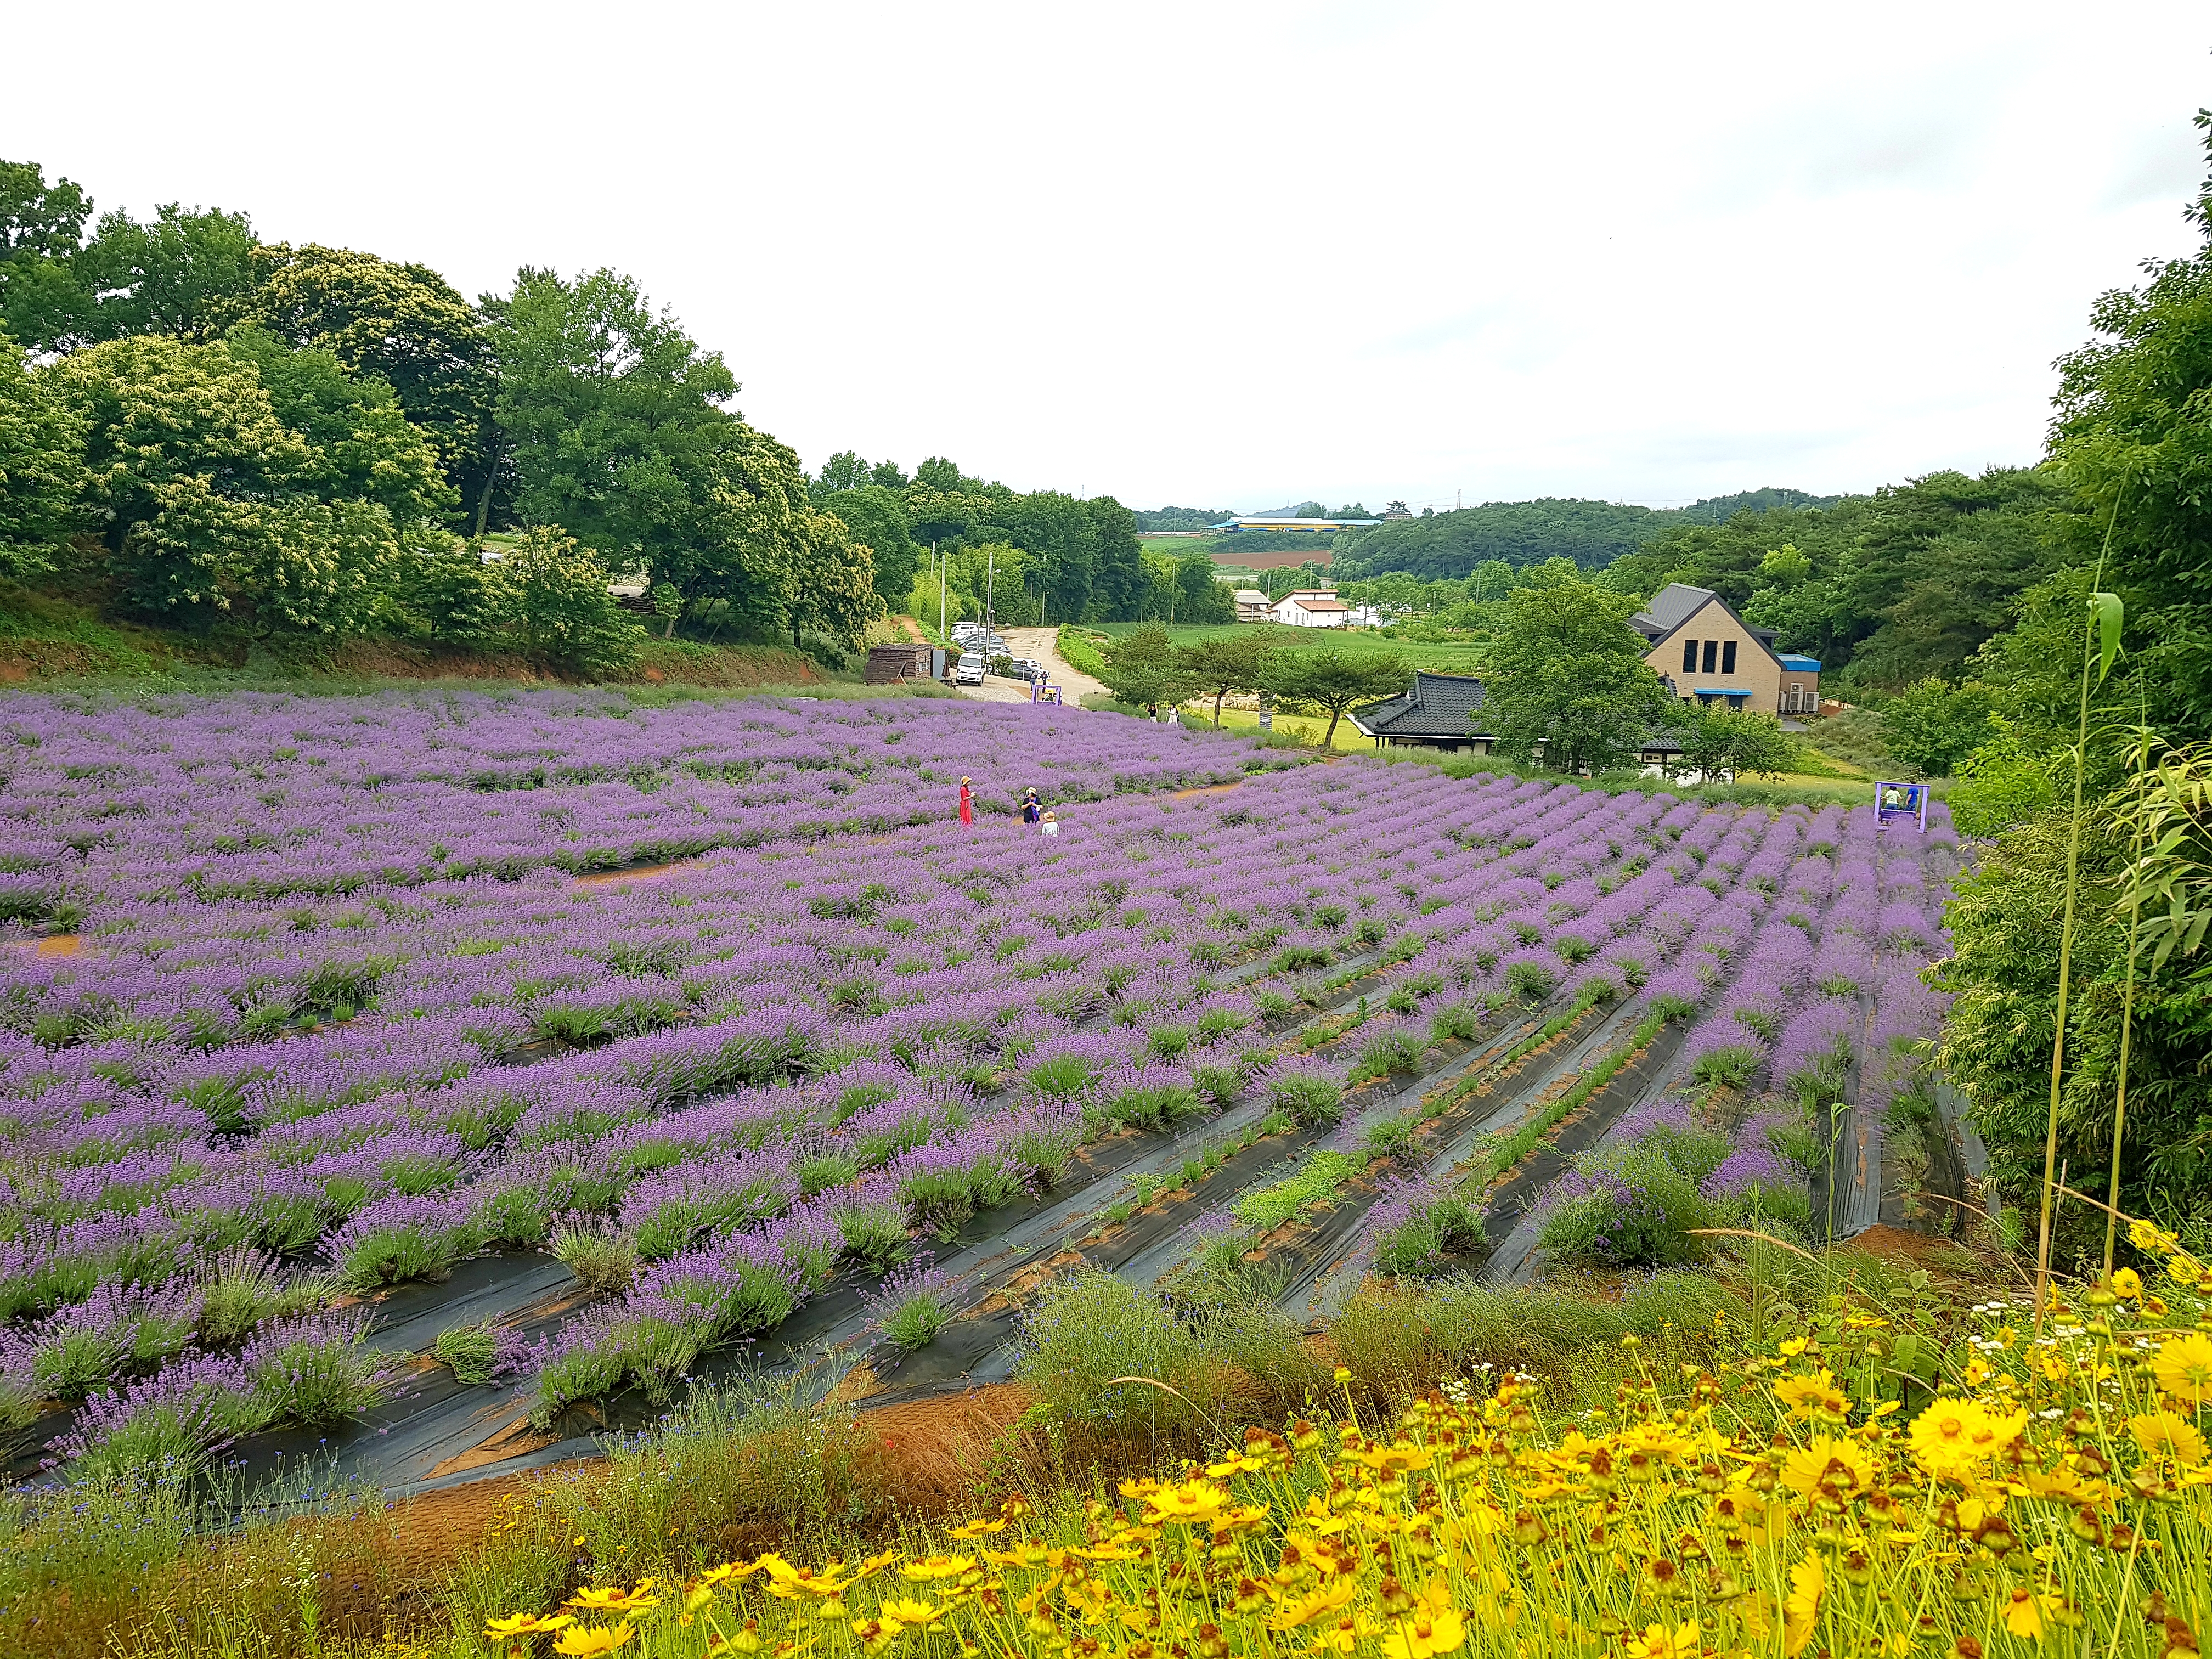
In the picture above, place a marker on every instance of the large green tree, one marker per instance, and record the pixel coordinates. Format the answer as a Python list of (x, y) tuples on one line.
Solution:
[(406, 326), (2134, 436), (1567, 679), (41, 227), (1143, 668), (211, 509), (875, 517), (41, 467), (1324, 681), (1237, 663)]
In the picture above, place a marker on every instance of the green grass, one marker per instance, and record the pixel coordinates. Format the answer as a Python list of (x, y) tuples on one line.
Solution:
[(1319, 1177)]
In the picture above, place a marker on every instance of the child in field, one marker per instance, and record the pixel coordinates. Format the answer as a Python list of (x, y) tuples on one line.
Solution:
[(1050, 827), (967, 803)]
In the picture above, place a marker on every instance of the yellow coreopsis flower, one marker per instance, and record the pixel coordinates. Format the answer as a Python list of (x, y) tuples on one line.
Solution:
[(1290, 1612), (1398, 1459), (1658, 1642), (906, 1610), (937, 1566), (1194, 1503), (2183, 1368), (2161, 1434), (588, 1641), (526, 1624), (1840, 1464), (1952, 1437), (2145, 1236), (1800, 1611), (2127, 1285), (1435, 1626), (2027, 1614), (977, 1529), (615, 1601), (1813, 1395)]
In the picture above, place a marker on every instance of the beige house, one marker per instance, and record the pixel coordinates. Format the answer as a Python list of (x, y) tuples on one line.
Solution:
[(1709, 654), (1251, 605)]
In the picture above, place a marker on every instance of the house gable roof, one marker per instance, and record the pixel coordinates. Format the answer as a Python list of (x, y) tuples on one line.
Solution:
[(1678, 604), (1435, 706)]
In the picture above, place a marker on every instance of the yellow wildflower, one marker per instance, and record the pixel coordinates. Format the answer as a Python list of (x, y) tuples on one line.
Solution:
[(1325, 1597), (615, 1601), (1801, 1612), (588, 1641), (2161, 1434), (905, 1610), (1434, 1626), (1399, 1459), (1839, 1465), (2127, 1285), (2026, 1613), (1950, 1437), (937, 1566), (1658, 1642), (1194, 1503), (1813, 1395), (976, 1529), (2183, 1368), (526, 1624)]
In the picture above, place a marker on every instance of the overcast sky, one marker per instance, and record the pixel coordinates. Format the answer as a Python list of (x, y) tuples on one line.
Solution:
[(1229, 255)]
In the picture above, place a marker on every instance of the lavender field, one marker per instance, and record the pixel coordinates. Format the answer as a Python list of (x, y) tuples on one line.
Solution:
[(370, 1115)]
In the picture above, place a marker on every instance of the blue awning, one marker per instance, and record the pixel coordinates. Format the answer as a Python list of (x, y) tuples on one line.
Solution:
[(1797, 665)]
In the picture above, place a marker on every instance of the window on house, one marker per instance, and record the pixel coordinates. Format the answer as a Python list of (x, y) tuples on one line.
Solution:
[(1689, 656), (1711, 648), (1727, 657)]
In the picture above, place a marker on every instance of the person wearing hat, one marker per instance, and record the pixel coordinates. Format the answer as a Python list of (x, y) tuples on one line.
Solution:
[(966, 802), (1050, 827), (1032, 808)]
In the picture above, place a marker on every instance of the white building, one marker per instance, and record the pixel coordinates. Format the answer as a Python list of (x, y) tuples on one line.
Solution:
[(1311, 607), (1251, 605)]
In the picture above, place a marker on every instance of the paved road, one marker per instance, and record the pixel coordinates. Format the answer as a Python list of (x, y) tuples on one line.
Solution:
[(1039, 643)]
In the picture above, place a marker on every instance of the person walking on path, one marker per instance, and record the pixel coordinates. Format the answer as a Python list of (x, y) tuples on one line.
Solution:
[(1032, 808), (967, 803)]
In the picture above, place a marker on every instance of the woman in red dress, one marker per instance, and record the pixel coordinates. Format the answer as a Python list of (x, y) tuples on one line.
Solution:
[(967, 803)]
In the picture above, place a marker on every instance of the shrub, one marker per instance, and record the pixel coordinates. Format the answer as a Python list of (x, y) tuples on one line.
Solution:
[(1307, 1091), (603, 1258), (1456, 1020), (1389, 1052), (913, 1305)]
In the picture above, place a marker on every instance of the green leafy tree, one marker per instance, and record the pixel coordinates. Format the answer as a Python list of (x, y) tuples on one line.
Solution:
[(875, 517), (1568, 680), (405, 325), (2134, 434), (1741, 742), (1932, 727), (182, 272), (1143, 667), (1326, 681), (41, 467), (1238, 663), (2003, 924), (560, 608), (213, 510), (42, 303)]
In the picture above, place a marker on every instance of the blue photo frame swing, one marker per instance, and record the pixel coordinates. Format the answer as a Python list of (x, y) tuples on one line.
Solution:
[(1905, 801)]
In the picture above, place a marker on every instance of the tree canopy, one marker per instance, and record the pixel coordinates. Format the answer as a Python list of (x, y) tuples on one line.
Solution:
[(1568, 682)]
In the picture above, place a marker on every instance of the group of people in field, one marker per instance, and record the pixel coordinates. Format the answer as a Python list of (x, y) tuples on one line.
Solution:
[(1034, 811)]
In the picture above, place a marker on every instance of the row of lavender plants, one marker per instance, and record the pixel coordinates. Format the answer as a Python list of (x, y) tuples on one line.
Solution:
[(1830, 1002), (707, 1091)]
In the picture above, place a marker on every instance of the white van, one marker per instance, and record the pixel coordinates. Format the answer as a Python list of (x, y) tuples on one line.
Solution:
[(970, 670)]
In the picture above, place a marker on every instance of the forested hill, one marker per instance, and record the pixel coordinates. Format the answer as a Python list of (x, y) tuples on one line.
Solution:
[(1446, 546)]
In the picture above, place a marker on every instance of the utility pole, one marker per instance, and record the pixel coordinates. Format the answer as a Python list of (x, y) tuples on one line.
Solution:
[(990, 588), (939, 563)]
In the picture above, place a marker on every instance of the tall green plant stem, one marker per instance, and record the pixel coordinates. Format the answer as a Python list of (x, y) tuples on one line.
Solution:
[(2127, 1017), (2066, 939)]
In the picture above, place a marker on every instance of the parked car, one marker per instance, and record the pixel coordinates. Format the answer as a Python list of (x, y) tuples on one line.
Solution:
[(1028, 668), (970, 670)]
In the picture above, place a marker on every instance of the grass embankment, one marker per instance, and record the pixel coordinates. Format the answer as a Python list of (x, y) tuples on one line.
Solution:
[(1444, 659), (44, 640)]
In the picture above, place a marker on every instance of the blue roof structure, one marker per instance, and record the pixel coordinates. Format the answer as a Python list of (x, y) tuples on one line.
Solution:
[(1797, 665)]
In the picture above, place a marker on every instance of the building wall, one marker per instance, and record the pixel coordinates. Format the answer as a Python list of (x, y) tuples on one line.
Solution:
[(1298, 617), (1757, 673)]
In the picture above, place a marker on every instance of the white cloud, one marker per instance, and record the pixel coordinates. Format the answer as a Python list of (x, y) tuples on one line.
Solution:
[(1230, 254)]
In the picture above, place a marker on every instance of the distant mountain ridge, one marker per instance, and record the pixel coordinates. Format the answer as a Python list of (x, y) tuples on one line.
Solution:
[(1446, 546)]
